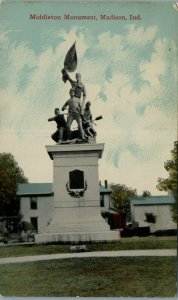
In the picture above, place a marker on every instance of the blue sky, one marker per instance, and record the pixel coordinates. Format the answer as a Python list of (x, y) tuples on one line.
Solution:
[(130, 72)]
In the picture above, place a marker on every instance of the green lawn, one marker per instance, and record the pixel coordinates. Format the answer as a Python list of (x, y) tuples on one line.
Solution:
[(92, 277), (123, 244)]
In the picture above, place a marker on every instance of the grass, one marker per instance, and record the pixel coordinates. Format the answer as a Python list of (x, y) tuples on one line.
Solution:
[(123, 244), (91, 277)]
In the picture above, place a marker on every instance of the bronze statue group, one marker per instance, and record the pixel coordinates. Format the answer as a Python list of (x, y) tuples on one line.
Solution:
[(77, 110)]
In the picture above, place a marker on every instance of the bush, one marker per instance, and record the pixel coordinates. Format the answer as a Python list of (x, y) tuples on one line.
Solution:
[(142, 231), (137, 231), (127, 232), (166, 232), (25, 226)]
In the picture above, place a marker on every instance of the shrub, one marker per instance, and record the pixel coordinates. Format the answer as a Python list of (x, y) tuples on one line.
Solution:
[(166, 232), (142, 231)]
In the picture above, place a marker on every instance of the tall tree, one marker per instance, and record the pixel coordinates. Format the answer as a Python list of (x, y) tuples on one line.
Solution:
[(10, 176), (146, 194), (121, 196), (170, 183)]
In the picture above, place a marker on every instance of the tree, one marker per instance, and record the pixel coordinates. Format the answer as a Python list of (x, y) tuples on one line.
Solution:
[(10, 176), (121, 196), (170, 183), (146, 194)]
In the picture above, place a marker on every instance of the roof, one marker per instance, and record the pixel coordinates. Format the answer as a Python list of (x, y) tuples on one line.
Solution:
[(153, 200), (26, 189)]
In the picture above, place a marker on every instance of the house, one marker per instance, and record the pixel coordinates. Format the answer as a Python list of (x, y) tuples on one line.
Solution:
[(36, 204), (36, 201), (116, 219), (153, 211), (105, 197)]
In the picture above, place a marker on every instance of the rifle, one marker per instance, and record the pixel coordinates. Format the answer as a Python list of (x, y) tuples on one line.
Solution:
[(97, 119)]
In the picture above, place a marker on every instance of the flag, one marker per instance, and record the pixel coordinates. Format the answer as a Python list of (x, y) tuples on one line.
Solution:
[(70, 62)]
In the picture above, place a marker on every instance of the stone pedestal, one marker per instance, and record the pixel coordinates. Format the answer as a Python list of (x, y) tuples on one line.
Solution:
[(76, 208)]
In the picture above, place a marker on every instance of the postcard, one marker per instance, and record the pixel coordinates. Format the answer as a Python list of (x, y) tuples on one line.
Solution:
[(89, 112)]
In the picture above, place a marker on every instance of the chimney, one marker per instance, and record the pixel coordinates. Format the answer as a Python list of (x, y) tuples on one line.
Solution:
[(106, 184)]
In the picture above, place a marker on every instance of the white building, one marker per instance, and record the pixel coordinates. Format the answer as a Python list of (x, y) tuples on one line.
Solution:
[(36, 207), (36, 203), (160, 209)]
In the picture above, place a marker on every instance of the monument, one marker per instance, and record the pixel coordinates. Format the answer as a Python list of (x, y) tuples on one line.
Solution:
[(76, 215)]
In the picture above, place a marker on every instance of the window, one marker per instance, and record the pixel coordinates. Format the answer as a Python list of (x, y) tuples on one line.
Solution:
[(76, 179), (34, 222), (102, 200), (33, 202)]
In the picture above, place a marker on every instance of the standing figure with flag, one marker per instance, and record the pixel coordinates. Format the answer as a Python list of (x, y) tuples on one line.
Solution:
[(78, 87), (70, 64)]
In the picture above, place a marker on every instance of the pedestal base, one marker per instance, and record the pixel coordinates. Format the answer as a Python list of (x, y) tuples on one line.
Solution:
[(77, 237), (76, 207)]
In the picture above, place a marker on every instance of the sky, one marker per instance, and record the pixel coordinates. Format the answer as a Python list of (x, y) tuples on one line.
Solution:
[(129, 68)]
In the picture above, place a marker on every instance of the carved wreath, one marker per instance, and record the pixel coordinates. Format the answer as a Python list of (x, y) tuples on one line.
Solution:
[(76, 194)]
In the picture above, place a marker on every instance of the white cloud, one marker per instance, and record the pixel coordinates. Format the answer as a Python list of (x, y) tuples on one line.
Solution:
[(152, 69), (140, 36)]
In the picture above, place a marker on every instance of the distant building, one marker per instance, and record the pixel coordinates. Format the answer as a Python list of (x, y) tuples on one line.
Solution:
[(36, 204), (158, 208), (115, 218), (36, 200), (36, 207), (105, 197)]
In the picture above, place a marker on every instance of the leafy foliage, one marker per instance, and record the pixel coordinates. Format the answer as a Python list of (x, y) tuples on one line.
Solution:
[(25, 226), (10, 176), (121, 196), (146, 194), (170, 183)]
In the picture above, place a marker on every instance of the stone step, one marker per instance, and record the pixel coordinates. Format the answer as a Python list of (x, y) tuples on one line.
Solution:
[(78, 237), (64, 228)]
